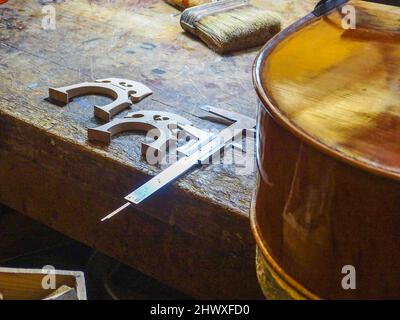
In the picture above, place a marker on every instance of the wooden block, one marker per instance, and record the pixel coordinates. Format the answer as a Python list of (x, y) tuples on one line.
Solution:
[(26, 284), (201, 239)]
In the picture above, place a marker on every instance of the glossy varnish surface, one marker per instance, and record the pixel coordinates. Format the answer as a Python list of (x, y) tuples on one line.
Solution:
[(328, 192), (315, 214), (341, 88)]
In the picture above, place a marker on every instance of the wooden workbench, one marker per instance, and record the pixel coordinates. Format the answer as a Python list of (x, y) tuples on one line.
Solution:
[(194, 235)]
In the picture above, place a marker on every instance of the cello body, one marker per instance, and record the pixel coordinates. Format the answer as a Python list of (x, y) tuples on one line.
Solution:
[(326, 210)]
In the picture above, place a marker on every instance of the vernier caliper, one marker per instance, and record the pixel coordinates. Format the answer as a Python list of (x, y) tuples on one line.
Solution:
[(195, 154)]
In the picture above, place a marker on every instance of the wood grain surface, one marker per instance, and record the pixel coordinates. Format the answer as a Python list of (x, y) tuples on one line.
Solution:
[(193, 236), (26, 284)]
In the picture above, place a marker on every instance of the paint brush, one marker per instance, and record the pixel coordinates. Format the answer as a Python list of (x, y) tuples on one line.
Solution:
[(183, 4), (231, 25)]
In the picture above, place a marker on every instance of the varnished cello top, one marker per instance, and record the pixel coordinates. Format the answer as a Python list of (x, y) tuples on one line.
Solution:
[(339, 89)]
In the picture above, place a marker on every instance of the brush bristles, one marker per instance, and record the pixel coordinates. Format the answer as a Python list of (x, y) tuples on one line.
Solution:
[(238, 29)]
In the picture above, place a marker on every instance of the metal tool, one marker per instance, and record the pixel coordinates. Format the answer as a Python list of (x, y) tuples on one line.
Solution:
[(196, 154)]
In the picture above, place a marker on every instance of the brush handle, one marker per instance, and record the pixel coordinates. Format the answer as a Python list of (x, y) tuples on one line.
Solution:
[(192, 15), (183, 4)]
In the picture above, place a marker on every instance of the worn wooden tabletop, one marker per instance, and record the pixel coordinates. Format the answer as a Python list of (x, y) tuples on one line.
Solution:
[(193, 235)]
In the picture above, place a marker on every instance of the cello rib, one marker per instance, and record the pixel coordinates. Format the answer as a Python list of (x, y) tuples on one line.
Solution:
[(329, 154)]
